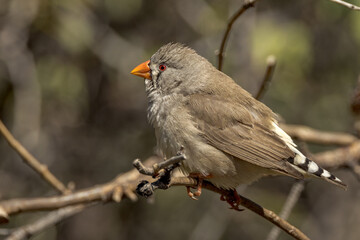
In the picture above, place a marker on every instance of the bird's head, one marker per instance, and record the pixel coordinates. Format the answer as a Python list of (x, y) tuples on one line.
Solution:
[(174, 68)]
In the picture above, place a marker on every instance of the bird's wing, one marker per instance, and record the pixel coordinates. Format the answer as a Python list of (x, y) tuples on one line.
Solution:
[(240, 132)]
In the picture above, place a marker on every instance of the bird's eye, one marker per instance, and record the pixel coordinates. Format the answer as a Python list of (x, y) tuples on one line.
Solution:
[(162, 67)]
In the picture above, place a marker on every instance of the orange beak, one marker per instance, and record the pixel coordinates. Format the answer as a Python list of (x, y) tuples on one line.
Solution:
[(142, 70)]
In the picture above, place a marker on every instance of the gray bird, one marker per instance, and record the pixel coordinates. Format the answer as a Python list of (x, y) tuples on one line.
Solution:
[(228, 137)]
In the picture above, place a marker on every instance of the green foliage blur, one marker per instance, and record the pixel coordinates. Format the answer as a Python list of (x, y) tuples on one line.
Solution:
[(67, 95)]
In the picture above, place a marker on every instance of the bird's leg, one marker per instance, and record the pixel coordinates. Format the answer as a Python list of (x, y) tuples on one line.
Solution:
[(200, 178), (233, 200)]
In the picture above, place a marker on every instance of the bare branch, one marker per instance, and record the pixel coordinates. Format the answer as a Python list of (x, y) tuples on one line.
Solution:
[(244, 7), (308, 134), (346, 4), (154, 170), (339, 157), (271, 63), (49, 220), (290, 203), (263, 212), (102, 193), (31, 161)]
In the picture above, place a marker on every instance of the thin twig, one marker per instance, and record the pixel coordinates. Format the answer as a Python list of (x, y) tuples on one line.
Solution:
[(49, 220), (270, 67), (312, 135), (290, 203), (244, 7), (31, 161), (346, 4), (154, 170)]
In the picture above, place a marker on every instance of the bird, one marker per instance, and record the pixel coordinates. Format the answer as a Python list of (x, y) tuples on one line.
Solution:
[(228, 137)]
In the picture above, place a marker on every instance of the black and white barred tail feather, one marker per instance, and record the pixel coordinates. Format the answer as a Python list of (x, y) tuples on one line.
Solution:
[(308, 167), (305, 165)]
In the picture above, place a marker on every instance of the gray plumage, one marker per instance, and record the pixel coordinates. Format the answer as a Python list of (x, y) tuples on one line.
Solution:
[(226, 133)]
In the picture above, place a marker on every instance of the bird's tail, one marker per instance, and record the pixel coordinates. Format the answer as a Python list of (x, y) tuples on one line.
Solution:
[(308, 167), (305, 165)]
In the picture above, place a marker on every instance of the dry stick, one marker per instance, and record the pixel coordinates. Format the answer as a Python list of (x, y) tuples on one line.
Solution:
[(346, 4), (31, 161), (51, 219), (121, 187), (290, 202), (154, 170), (243, 8), (263, 212), (271, 63), (308, 134)]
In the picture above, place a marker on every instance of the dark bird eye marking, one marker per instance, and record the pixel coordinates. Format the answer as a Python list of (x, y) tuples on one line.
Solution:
[(162, 67)]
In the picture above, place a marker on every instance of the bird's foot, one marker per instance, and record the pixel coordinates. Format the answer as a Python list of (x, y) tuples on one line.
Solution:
[(200, 178), (233, 200)]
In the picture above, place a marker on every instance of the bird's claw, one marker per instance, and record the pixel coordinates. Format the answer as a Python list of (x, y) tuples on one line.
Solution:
[(191, 194), (233, 200)]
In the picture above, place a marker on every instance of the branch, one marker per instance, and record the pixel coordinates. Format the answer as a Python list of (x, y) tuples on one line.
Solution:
[(339, 157), (244, 7), (290, 203), (154, 170), (17, 19), (26, 231), (355, 169), (121, 187), (31, 161), (346, 4), (245, 202), (271, 63), (308, 134), (165, 181)]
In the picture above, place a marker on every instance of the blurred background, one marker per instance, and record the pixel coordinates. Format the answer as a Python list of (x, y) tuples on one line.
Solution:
[(67, 95)]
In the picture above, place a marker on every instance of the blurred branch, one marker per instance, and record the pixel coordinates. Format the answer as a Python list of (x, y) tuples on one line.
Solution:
[(31, 161), (339, 157), (248, 4), (5, 231), (147, 189), (308, 134), (346, 4), (121, 187), (290, 203), (51, 219), (271, 63), (20, 64), (355, 169)]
